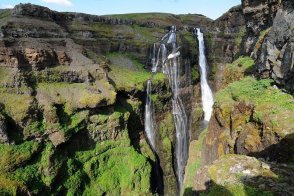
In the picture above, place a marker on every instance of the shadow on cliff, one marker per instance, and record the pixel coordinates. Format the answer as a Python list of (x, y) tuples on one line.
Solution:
[(282, 152), (278, 158), (251, 186)]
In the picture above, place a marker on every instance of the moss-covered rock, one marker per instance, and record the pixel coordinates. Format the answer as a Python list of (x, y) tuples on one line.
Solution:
[(250, 117), (76, 95), (237, 70), (193, 163), (242, 175), (115, 167)]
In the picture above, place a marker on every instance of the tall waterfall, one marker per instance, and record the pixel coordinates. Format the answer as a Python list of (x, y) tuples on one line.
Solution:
[(149, 124), (168, 57), (206, 94)]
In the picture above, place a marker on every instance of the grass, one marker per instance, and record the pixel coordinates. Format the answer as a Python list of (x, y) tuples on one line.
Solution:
[(237, 70), (4, 15), (16, 105), (127, 73), (16, 155), (271, 105), (159, 18), (76, 95)]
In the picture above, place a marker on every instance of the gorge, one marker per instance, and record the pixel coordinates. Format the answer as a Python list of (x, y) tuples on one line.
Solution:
[(147, 104)]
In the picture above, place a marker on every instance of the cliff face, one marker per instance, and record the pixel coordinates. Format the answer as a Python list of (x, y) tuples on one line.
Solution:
[(259, 15), (274, 56), (73, 91), (224, 42), (253, 111), (72, 100)]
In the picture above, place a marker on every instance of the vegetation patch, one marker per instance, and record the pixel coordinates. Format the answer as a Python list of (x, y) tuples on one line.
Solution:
[(237, 70), (261, 37), (127, 73), (270, 104), (76, 95), (194, 161), (15, 105), (115, 167)]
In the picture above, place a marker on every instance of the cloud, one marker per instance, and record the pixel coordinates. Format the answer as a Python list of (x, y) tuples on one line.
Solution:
[(59, 2), (6, 6)]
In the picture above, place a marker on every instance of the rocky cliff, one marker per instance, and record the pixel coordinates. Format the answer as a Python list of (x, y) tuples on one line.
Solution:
[(251, 129), (73, 93), (72, 101)]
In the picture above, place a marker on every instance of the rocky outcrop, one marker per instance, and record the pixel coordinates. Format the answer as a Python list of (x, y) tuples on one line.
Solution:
[(243, 123), (223, 41), (275, 57), (237, 174), (259, 15)]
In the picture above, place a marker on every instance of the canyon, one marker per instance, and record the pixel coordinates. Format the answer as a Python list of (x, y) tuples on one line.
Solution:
[(84, 109)]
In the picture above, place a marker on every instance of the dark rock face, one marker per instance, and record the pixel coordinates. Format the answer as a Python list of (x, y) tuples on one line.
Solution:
[(259, 15), (228, 29), (275, 58), (3, 130), (223, 40)]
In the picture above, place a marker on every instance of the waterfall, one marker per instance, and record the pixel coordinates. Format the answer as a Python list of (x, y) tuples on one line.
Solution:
[(149, 124), (206, 93), (168, 57)]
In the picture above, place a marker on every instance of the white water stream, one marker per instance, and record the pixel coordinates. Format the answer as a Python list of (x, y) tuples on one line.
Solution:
[(206, 93)]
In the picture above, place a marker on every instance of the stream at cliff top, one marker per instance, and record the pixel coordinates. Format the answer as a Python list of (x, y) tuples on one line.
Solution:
[(206, 93), (168, 59)]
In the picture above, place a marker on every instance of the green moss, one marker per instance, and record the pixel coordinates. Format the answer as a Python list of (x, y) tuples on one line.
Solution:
[(235, 190), (261, 37), (9, 187), (76, 95), (195, 73), (116, 168), (159, 79), (270, 104), (239, 37), (76, 179), (127, 73), (166, 126), (28, 176), (15, 155), (34, 128), (16, 105), (237, 70), (5, 14), (194, 161)]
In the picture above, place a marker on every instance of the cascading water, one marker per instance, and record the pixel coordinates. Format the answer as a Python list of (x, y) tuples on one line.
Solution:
[(149, 124), (168, 56), (206, 93)]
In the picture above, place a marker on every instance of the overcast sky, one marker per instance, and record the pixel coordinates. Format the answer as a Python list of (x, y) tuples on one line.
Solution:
[(210, 8)]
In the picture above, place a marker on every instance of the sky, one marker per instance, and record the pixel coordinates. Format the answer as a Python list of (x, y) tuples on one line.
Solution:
[(210, 8)]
